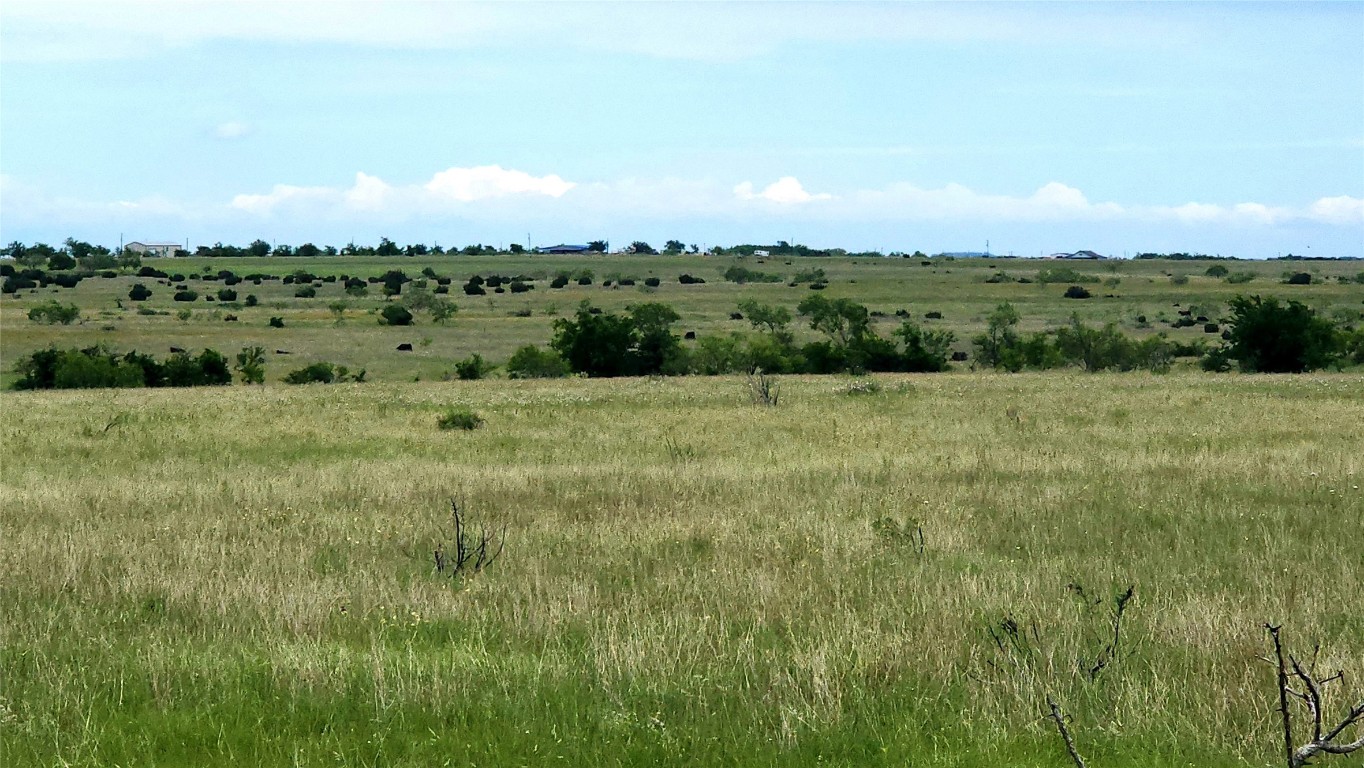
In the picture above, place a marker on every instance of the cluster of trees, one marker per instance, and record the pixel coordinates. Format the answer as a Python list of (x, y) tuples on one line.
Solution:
[(642, 342), (1002, 347), (74, 254), (1264, 336), (98, 366)]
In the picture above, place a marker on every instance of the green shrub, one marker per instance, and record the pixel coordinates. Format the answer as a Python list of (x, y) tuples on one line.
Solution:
[(1267, 337), (1217, 270), (1299, 278), (741, 275), (472, 368), (317, 373), (227, 294), (251, 300), (531, 362), (1240, 278), (395, 314), (52, 313), (251, 365), (652, 282), (459, 418), (276, 322), (305, 292), (139, 292), (1064, 275), (323, 373), (1076, 292), (100, 367), (185, 294)]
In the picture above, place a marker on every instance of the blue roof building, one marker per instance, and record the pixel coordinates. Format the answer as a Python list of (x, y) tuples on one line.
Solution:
[(563, 249)]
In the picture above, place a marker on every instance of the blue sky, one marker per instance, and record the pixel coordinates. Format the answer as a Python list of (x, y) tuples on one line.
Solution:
[(1221, 128)]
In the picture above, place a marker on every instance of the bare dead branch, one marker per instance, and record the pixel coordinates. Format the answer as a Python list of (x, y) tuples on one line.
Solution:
[(1059, 718), (1311, 696), (1283, 694)]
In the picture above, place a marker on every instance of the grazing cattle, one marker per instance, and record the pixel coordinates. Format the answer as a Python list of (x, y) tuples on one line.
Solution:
[(404, 347), (690, 335), (176, 350), (958, 357), (281, 351)]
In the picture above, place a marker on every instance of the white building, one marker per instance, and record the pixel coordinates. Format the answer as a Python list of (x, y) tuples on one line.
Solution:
[(154, 249)]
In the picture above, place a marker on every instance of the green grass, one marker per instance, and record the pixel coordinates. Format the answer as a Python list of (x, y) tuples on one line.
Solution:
[(488, 325), (244, 575)]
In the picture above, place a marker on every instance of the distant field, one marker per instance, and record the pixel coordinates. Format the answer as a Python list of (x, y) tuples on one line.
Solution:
[(1123, 292), (245, 575)]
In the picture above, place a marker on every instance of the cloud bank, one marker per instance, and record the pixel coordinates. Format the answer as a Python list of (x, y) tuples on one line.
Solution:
[(500, 196)]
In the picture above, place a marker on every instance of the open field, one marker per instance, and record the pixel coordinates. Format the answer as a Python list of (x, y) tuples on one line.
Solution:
[(489, 325), (244, 575)]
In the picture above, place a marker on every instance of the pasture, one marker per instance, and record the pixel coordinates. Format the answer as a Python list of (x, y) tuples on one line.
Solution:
[(245, 575), (890, 570), (1142, 297)]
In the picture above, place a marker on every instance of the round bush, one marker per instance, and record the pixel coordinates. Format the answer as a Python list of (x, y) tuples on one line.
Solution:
[(395, 314)]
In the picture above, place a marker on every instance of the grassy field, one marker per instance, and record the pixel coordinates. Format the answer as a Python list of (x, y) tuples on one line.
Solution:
[(1123, 292), (245, 575)]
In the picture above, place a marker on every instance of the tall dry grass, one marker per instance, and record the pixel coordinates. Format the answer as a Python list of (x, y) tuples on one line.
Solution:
[(246, 574)]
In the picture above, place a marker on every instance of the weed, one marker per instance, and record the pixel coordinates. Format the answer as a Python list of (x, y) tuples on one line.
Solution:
[(459, 418)]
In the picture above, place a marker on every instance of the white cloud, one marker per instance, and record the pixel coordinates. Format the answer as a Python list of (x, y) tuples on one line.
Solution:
[(1338, 210), (370, 193), (786, 190), (486, 181), (282, 194), (449, 190), (232, 129), (498, 196)]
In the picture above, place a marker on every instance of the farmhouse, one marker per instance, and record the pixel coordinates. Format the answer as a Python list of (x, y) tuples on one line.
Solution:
[(563, 249), (1077, 255), (153, 249)]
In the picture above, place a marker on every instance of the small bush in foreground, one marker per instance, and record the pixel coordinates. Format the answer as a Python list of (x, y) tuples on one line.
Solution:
[(459, 418)]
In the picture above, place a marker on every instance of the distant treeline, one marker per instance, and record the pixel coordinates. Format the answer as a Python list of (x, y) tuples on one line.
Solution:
[(87, 256)]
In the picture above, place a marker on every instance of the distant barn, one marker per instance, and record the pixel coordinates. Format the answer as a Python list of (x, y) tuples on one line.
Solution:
[(1077, 255), (154, 249), (563, 249)]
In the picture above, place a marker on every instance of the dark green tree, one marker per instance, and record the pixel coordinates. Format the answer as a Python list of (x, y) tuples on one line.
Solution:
[(1269, 337), (993, 347), (597, 344), (926, 351), (843, 320), (656, 348)]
